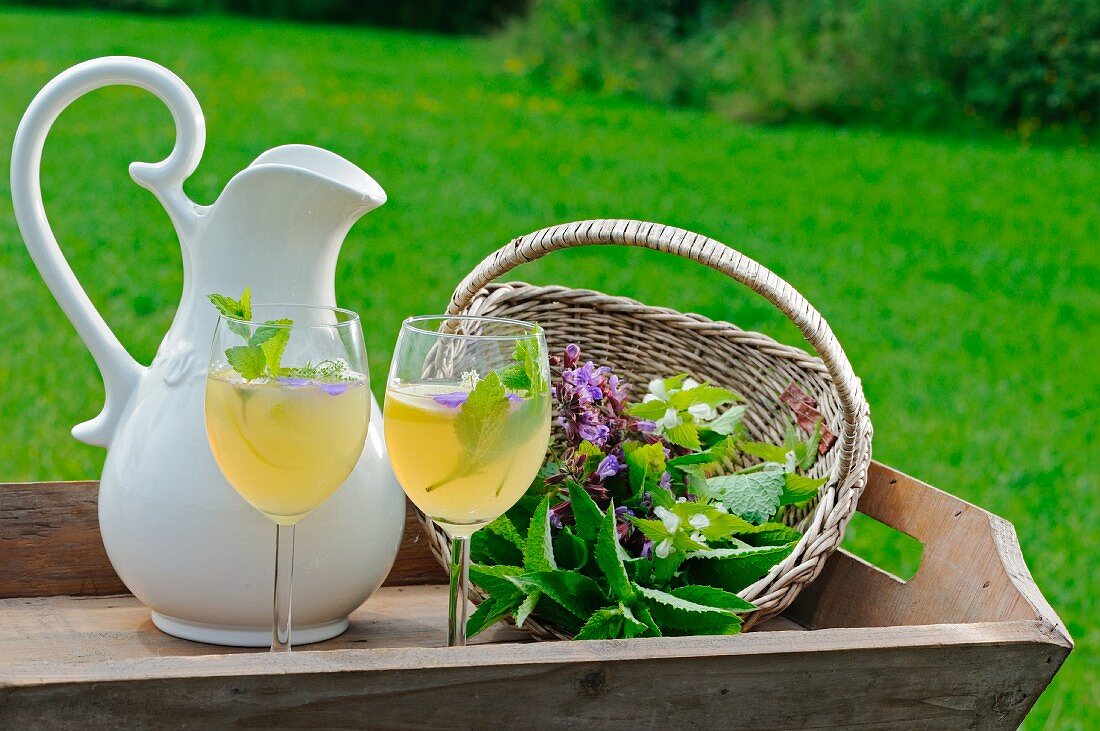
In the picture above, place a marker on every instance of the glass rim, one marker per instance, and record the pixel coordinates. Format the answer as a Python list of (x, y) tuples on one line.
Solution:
[(409, 323), (352, 316)]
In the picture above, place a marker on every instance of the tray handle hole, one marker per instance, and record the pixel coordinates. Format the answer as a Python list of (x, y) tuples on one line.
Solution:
[(896, 553)]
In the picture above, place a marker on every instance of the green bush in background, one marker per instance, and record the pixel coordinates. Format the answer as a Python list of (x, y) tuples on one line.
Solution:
[(1028, 66), (443, 16)]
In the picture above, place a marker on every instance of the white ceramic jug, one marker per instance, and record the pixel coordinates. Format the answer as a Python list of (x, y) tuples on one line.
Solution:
[(176, 532)]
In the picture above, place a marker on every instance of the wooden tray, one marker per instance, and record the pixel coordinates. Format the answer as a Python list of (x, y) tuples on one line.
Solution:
[(968, 642)]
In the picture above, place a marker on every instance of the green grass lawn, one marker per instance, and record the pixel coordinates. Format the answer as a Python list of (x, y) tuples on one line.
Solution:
[(961, 276)]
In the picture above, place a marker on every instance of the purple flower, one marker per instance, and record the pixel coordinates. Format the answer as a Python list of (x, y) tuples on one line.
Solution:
[(609, 467), (559, 513), (334, 389), (292, 381), (572, 352), (645, 426), (647, 549), (596, 434), (665, 481), (452, 400), (515, 399)]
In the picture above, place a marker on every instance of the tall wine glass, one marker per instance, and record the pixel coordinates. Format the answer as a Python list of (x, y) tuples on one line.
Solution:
[(467, 420), (287, 408)]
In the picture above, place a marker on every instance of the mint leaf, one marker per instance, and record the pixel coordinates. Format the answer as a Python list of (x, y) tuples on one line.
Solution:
[(765, 451), (720, 450), (498, 543), (276, 335), (728, 421), (570, 551), (685, 435), (703, 394), (480, 428), (799, 489), (604, 624), (527, 355), (491, 611), (609, 557), (523, 611), (248, 360), (538, 551), (675, 382), (682, 616), (641, 611), (632, 626), (586, 513), (495, 579), (645, 463), (515, 377), (713, 597), (574, 591), (648, 410), (770, 534), (237, 309), (733, 569), (754, 496)]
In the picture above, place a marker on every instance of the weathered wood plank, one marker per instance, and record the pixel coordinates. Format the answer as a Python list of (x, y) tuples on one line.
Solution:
[(50, 544), (942, 676), (971, 571)]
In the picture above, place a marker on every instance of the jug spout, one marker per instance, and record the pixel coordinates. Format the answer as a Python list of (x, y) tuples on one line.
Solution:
[(330, 173), (279, 224)]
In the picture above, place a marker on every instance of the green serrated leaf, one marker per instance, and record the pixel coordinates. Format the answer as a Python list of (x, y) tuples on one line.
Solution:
[(526, 607), (498, 543), (538, 550), (648, 410), (515, 377), (527, 355), (641, 611), (733, 569), (728, 421), (586, 513), (645, 465), (604, 624), (810, 457), (632, 626), (248, 360), (720, 450), (609, 557), (274, 345), (713, 597), (674, 382), (495, 580), (491, 611), (704, 394), (799, 489), (574, 591), (481, 428), (685, 435), (570, 551), (770, 534), (765, 451), (652, 529), (754, 496), (681, 616), (665, 568)]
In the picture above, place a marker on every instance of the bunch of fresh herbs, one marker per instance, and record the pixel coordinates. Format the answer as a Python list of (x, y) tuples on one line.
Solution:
[(638, 525)]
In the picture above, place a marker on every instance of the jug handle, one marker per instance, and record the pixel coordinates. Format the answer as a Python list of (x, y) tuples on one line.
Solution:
[(120, 372)]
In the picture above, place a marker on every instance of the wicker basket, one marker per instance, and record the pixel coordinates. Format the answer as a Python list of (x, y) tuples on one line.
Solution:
[(643, 343)]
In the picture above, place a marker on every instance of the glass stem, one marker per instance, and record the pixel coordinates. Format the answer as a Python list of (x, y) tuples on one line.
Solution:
[(460, 583), (284, 581)]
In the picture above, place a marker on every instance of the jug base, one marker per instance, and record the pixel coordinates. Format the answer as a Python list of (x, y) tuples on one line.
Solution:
[(236, 636)]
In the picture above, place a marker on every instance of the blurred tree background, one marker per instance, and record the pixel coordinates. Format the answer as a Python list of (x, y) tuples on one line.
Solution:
[(1028, 69)]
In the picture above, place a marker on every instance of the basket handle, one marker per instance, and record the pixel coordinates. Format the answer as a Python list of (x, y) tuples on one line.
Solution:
[(706, 251)]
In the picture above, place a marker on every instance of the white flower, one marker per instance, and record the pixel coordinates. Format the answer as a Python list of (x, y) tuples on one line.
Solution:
[(699, 521), (470, 379), (702, 412), (663, 548), (657, 390), (720, 508), (669, 421), (689, 383), (699, 538), (670, 519), (792, 463)]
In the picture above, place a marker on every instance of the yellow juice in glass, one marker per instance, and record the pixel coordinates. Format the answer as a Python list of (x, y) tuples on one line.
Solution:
[(285, 447), (459, 492)]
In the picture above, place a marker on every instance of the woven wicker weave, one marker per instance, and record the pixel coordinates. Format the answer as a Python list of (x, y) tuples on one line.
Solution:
[(643, 343)]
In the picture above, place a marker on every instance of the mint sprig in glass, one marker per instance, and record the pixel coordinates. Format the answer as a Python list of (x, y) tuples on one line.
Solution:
[(467, 421)]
